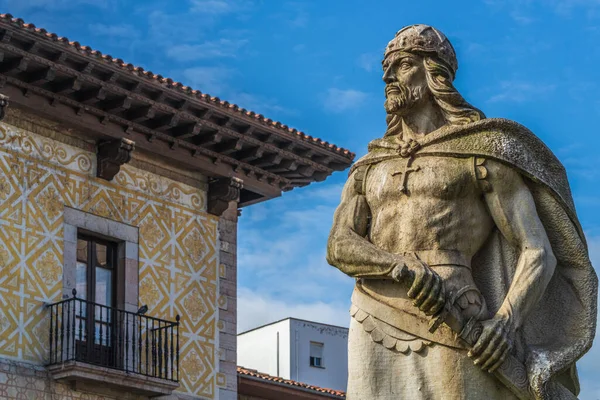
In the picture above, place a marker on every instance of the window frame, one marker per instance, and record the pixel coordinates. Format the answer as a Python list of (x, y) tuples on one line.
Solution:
[(126, 238), (92, 262), (313, 358)]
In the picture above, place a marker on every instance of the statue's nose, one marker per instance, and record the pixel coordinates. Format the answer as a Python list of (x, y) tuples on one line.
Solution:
[(388, 76)]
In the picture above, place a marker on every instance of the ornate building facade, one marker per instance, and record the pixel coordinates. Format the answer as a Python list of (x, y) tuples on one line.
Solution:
[(119, 198)]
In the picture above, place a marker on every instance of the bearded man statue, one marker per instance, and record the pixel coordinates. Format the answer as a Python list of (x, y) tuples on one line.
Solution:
[(473, 279)]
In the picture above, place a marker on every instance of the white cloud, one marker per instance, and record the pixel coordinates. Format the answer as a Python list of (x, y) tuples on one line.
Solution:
[(256, 309), (521, 18), (212, 80), (340, 100), (565, 7), (123, 30), (53, 4), (299, 48), (281, 260), (217, 81), (293, 15), (212, 49), (300, 19), (165, 29), (369, 61), (259, 104), (520, 91), (560, 7), (218, 7)]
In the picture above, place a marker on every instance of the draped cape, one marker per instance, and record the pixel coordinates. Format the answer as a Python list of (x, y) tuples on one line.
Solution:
[(561, 327)]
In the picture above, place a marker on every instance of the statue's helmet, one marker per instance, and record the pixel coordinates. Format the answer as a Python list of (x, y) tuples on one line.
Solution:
[(426, 40)]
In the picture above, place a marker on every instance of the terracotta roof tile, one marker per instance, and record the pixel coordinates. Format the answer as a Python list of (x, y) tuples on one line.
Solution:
[(267, 377), (169, 82)]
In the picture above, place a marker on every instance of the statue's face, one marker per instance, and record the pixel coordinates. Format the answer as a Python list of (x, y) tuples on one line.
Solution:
[(406, 82)]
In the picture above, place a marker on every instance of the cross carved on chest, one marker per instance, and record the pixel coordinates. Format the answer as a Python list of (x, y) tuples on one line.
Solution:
[(404, 174)]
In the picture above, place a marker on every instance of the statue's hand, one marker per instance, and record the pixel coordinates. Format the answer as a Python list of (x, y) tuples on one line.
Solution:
[(494, 344), (426, 289)]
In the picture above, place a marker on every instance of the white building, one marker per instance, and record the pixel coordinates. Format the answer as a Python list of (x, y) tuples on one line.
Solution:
[(303, 351)]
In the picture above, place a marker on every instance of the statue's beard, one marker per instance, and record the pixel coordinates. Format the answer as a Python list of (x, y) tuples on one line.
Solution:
[(400, 98)]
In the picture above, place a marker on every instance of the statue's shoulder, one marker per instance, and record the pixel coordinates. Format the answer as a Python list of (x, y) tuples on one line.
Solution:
[(497, 137), (360, 169), (498, 126)]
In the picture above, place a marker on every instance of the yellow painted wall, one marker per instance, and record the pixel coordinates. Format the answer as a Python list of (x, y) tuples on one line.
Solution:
[(178, 246)]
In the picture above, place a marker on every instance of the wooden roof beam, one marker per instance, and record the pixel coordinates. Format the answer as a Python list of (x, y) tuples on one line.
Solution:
[(210, 139), (141, 114), (165, 123), (183, 106), (229, 147), (323, 159), (18, 65), (308, 153), (270, 160), (67, 86), (188, 131), (207, 114), (271, 139), (320, 176), (251, 154), (112, 78), (187, 155), (290, 147), (91, 96), (60, 57), (290, 175), (41, 76), (88, 68), (117, 105), (6, 36), (306, 170), (33, 47), (337, 166), (285, 165), (301, 181)]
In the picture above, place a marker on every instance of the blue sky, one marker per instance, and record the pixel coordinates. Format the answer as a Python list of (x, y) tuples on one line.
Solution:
[(315, 65)]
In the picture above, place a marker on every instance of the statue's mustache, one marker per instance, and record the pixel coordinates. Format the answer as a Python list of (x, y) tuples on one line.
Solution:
[(396, 89)]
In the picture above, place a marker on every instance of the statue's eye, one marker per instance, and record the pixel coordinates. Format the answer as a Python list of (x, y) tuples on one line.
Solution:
[(405, 65)]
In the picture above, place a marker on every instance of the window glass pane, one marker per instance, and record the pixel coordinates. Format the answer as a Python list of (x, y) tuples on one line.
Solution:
[(102, 334), (316, 349), (102, 314), (81, 280), (81, 286), (101, 254), (104, 286), (82, 250), (80, 328)]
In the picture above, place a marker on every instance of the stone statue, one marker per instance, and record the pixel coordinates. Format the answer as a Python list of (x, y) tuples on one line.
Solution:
[(455, 218)]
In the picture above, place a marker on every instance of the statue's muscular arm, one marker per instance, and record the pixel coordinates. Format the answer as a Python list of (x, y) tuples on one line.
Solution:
[(349, 250), (512, 207)]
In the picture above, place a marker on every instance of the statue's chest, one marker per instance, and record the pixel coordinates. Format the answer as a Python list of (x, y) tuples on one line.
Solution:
[(422, 177)]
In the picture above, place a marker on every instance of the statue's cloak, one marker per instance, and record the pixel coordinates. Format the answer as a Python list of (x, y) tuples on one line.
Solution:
[(561, 328)]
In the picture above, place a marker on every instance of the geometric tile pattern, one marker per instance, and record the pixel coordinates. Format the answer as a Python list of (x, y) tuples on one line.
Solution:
[(178, 247)]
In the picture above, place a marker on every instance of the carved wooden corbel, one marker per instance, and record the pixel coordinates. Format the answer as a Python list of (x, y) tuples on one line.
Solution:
[(111, 155), (3, 105), (221, 191)]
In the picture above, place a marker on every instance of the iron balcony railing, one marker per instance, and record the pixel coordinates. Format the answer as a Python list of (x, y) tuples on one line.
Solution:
[(92, 333)]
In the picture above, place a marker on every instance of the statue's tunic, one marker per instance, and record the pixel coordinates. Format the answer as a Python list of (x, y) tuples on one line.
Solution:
[(431, 207)]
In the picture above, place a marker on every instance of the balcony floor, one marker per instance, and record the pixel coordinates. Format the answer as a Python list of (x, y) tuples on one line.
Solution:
[(79, 372)]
